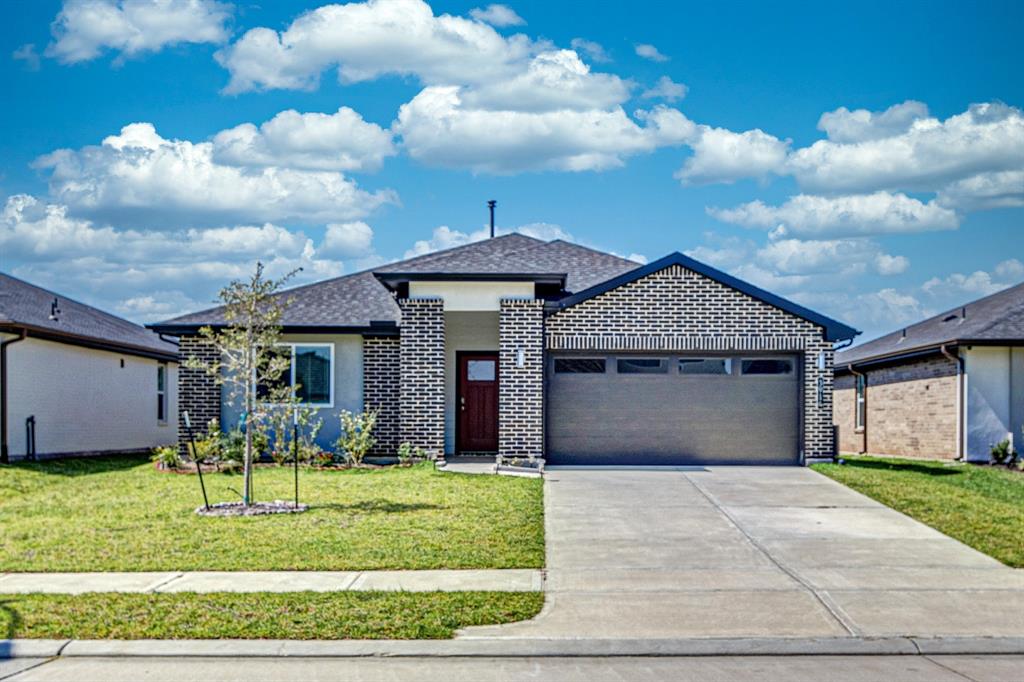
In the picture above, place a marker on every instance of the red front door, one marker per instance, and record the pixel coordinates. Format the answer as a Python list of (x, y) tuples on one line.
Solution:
[(476, 401)]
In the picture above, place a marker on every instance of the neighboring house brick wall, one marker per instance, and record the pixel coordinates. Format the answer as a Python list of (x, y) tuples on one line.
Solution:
[(521, 389), (421, 376), (844, 402), (381, 370), (198, 392), (676, 309)]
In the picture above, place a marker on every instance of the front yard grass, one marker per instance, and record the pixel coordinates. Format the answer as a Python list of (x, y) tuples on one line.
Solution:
[(260, 615), (983, 507), (120, 514)]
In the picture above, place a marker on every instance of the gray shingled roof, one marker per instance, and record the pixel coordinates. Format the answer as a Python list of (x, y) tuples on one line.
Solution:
[(995, 318), (357, 300), (26, 305)]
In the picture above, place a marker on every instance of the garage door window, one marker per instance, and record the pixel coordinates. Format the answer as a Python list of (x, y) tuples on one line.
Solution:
[(642, 366), (579, 366), (705, 366), (767, 366)]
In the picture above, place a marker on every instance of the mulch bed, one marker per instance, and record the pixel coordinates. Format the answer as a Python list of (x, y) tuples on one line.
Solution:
[(254, 509)]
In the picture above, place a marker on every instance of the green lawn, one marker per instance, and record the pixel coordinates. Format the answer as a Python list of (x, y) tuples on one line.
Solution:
[(119, 513), (981, 506), (294, 615)]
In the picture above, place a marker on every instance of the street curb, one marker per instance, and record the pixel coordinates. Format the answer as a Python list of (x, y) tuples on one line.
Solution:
[(515, 648)]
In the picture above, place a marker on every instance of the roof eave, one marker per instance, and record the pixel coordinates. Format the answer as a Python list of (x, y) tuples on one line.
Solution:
[(375, 328), (89, 341), (391, 280)]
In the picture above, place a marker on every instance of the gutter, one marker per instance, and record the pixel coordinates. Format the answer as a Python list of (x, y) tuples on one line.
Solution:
[(4, 454), (959, 399)]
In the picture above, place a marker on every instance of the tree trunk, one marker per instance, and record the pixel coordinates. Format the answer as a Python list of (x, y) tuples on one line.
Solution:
[(247, 463)]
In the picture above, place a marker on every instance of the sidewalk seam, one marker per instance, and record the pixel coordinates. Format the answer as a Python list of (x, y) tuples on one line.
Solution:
[(152, 589)]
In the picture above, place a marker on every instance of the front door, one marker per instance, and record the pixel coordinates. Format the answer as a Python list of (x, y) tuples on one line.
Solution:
[(476, 399)]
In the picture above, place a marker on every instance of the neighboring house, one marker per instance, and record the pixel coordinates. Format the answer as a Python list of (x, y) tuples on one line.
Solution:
[(89, 382), (527, 348), (949, 387)]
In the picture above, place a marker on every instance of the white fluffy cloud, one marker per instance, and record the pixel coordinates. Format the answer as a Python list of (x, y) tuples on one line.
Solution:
[(438, 129), (861, 214), (365, 40), (594, 51), (341, 141), (347, 240), (140, 175), (843, 125), (721, 155), (1001, 189), (84, 28), (648, 51), (977, 283), (666, 89), (497, 15)]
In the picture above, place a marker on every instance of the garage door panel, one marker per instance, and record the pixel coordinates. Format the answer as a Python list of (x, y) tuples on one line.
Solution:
[(672, 418)]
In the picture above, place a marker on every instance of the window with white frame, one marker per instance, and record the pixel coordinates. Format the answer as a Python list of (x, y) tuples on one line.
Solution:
[(859, 413), (161, 393), (312, 373)]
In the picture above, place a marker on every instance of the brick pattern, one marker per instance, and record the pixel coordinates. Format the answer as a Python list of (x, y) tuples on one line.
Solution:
[(198, 392), (381, 369), (676, 309), (911, 409), (421, 374), (521, 389)]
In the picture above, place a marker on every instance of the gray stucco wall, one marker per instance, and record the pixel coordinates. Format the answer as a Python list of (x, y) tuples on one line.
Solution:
[(463, 331), (348, 384)]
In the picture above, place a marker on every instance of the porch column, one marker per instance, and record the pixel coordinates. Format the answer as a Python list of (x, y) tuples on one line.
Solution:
[(819, 434), (521, 378), (198, 393), (421, 374), (381, 382)]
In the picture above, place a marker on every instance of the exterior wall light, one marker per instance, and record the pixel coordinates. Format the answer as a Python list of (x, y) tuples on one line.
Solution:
[(520, 358)]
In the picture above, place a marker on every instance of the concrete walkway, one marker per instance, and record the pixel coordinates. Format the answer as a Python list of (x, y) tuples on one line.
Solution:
[(504, 580), (724, 552)]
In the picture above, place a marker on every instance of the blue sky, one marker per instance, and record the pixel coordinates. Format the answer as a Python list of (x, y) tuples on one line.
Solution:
[(866, 160)]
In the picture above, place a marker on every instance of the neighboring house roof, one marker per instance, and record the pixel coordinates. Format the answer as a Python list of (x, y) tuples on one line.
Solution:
[(834, 330), (995, 319), (26, 306)]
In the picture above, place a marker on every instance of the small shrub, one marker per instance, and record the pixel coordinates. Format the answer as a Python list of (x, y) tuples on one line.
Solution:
[(1003, 453), (407, 453), (357, 435), (167, 457)]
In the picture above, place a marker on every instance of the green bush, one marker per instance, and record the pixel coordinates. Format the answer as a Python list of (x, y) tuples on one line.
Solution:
[(357, 435), (1003, 453), (167, 456)]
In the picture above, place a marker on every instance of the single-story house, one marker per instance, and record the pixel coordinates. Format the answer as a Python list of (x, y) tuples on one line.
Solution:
[(522, 347), (948, 387), (75, 380)]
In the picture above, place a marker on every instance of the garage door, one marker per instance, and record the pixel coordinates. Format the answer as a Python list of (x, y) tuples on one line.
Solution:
[(673, 409)]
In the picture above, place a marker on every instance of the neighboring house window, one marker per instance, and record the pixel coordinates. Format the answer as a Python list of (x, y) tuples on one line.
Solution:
[(862, 382), (312, 370), (161, 393)]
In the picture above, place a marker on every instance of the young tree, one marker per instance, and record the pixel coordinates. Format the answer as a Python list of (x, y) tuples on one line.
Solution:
[(250, 362)]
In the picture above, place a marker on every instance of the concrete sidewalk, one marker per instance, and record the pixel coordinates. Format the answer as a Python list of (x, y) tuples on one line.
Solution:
[(499, 580)]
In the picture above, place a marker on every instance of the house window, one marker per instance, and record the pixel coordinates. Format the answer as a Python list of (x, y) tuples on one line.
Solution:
[(480, 370), (311, 372), (705, 366), (161, 393), (579, 366), (767, 366), (859, 413), (642, 366)]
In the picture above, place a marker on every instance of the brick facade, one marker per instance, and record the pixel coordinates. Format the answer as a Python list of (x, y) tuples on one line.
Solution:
[(910, 410), (381, 370), (676, 309), (521, 389), (421, 374), (198, 392)]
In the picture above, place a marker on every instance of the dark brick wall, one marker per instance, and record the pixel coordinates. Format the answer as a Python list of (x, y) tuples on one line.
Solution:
[(421, 374), (198, 393), (521, 389), (381, 370)]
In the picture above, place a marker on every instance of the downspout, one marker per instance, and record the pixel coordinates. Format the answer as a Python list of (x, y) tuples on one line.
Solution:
[(959, 361), (864, 428), (4, 455)]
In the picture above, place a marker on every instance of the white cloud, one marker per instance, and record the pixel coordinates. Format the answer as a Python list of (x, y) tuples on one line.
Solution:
[(341, 141), (886, 264), (978, 283), (829, 256), (666, 89), (594, 51), (138, 175), (843, 125), (1010, 270), (648, 51), (1002, 189), (84, 28), (365, 40), (27, 53), (438, 129), (347, 240), (930, 154), (816, 216), (721, 155), (497, 15), (445, 237)]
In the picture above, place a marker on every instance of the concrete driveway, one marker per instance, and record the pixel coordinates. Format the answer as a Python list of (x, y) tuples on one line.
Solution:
[(753, 552)]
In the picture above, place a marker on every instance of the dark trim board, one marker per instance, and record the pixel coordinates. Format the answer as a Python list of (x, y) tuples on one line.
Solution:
[(86, 342)]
